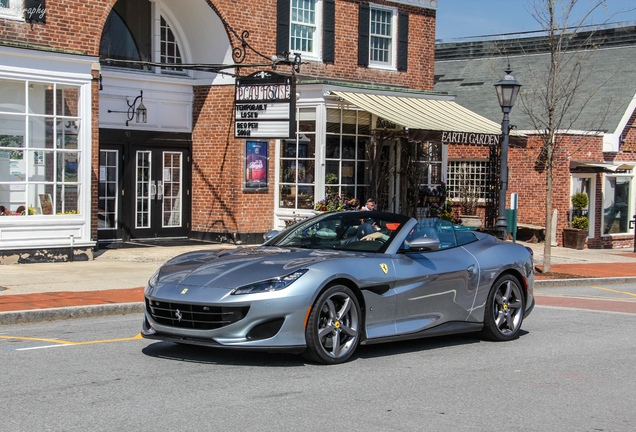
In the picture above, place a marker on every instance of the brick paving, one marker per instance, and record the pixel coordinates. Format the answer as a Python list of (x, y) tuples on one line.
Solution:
[(20, 302)]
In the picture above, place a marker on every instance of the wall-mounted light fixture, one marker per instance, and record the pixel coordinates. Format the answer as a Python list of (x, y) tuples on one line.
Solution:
[(140, 113)]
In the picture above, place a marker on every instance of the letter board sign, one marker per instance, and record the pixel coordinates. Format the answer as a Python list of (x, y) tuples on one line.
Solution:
[(265, 106)]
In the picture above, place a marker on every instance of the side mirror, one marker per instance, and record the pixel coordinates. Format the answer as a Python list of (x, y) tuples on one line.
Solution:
[(423, 244), (270, 235)]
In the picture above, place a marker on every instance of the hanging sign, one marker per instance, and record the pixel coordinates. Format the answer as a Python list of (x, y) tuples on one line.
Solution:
[(265, 106)]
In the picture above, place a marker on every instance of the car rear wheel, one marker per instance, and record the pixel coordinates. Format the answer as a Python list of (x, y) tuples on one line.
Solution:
[(333, 326), (504, 310)]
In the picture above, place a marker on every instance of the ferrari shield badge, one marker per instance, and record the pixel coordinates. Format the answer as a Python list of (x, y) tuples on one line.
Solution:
[(184, 291), (385, 268)]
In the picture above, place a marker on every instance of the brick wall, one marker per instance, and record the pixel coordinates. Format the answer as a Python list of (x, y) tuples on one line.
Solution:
[(219, 203)]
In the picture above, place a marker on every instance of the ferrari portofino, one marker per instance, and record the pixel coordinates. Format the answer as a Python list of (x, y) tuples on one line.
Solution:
[(337, 280)]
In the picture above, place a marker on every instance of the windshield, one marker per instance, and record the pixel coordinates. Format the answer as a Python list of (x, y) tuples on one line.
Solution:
[(364, 231)]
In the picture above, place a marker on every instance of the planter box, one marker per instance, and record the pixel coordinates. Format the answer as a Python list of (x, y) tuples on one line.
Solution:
[(574, 238), (471, 221)]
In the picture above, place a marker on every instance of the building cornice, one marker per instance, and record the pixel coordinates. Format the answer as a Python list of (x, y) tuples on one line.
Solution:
[(424, 4)]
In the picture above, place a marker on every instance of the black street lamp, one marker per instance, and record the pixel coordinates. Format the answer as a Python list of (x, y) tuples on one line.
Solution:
[(507, 91)]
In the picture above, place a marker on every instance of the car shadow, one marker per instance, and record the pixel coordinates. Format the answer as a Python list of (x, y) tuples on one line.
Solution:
[(221, 356)]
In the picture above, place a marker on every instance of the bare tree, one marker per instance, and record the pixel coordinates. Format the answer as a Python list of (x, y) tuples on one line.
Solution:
[(556, 98)]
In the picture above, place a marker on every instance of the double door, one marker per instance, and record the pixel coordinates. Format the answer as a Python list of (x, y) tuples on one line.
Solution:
[(157, 197), (144, 190)]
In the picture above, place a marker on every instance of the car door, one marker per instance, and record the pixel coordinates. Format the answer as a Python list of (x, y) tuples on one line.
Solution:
[(434, 287)]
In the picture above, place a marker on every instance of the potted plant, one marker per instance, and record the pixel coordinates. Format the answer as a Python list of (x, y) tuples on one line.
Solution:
[(468, 201), (576, 236)]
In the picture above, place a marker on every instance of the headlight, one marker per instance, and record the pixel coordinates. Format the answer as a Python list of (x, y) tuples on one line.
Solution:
[(269, 285), (152, 282)]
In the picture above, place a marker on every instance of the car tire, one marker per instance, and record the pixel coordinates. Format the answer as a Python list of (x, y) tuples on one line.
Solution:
[(333, 326), (504, 310)]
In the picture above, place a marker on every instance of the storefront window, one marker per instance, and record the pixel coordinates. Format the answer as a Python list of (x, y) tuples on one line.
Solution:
[(347, 160), (298, 164), (39, 151), (616, 205), (429, 156)]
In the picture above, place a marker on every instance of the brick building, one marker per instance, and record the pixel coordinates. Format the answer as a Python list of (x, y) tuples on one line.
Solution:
[(597, 146), (86, 166)]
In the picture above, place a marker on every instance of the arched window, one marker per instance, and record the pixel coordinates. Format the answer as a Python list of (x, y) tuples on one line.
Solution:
[(127, 33), (117, 41), (169, 48)]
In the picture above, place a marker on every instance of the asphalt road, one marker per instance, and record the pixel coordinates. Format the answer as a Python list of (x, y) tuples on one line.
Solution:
[(570, 370)]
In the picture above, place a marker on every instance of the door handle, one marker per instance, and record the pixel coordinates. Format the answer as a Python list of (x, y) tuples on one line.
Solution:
[(471, 268), (159, 189), (153, 189)]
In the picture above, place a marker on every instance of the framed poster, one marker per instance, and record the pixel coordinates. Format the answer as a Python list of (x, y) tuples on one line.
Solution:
[(256, 165), (46, 204)]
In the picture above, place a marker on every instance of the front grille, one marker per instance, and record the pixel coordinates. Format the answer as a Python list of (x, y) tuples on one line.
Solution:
[(194, 316)]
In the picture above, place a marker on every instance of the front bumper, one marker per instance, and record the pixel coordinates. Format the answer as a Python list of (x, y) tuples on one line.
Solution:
[(289, 307)]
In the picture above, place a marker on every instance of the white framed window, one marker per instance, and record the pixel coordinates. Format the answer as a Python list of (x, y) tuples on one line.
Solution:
[(12, 9), (617, 204), (305, 27), (170, 52), (382, 37), (467, 177), (585, 183), (139, 30), (297, 169), (41, 147), (348, 141)]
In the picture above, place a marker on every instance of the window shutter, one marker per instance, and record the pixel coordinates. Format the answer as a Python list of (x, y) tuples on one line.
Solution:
[(282, 26), (363, 35), (403, 41), (328, 30)]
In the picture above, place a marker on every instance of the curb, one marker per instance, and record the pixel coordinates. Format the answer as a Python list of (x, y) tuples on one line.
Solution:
[(54, 314), (547, 283)]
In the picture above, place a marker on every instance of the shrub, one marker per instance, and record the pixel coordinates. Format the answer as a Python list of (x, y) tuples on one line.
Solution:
[(580, 223), (579, 201)]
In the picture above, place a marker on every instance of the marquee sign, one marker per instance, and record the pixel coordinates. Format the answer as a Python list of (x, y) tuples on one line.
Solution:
[(265, 106)]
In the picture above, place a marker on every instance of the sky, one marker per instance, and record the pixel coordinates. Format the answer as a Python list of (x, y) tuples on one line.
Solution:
[(465, 18)]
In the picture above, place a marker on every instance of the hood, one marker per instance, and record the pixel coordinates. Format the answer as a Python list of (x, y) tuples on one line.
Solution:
[(230, 269)]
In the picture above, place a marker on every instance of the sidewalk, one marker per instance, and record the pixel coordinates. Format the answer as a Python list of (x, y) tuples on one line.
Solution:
[(113, 282)]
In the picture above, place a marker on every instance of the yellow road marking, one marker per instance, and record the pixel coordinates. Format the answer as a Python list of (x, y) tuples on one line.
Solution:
[(70, 343), (582, 295), (622, 292)]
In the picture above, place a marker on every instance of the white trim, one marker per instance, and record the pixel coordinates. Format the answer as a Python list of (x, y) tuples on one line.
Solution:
[(613, 142), (424, 4), (591, 205), (39, 231), (179, 35), (15, 11), (392, 64), (630, 216), (562, 132), (316, 53)]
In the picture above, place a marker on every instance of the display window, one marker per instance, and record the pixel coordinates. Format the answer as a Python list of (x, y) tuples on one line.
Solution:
[(40, 152)]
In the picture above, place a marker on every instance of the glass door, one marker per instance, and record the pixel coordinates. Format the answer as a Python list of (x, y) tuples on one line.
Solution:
[(109, 192), (159, 194)]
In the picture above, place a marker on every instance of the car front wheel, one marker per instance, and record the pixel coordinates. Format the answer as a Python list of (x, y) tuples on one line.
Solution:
[(504, 310), (333, 327)]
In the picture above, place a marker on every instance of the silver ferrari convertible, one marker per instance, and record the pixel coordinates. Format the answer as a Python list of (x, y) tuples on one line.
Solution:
[(337, 280)]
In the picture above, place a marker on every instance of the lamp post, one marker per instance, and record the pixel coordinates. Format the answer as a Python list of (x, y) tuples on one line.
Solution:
[(507, 91)]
